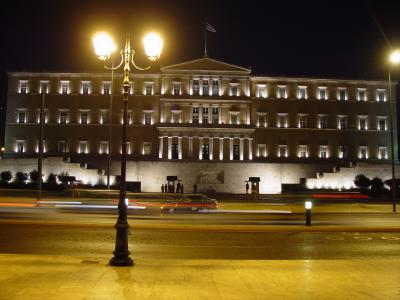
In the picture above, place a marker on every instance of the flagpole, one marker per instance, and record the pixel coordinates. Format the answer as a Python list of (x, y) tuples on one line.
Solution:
[(205, 42)]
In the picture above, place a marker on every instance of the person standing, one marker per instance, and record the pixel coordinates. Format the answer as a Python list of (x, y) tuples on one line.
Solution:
[(194, 188), (247, 188), (162, 188)]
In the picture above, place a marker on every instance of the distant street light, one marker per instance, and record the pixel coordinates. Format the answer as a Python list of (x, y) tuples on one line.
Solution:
[(104, 46), (394, 59), (308, 207)]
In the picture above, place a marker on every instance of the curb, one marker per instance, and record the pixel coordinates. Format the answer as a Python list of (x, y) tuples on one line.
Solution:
[(209, 228)]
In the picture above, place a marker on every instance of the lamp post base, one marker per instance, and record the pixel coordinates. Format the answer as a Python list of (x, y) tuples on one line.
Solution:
[(121, 260)]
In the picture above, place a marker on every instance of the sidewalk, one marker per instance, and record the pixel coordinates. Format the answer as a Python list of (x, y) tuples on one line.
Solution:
[(62, 277)]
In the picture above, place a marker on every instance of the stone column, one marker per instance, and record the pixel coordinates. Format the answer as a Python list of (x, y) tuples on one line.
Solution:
[(241, 148), (219, 115), (221, 148), (250, 148), (180, 147), (160, 147), (200, 115), (210, 115), (248, 115), (211, 147), (200, 148), (191, 114), (230, 148), (169, 147), (190, 150)]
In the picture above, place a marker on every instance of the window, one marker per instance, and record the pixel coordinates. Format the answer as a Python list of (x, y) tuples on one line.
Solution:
[(195, 115), (176, 88), (323, 151), (322, 94), (44, 86), (62, 146), (206, 151), (206, 89), (302, 92), (234, 118), (175, 151), (302, 121), (23, 86), (215, 115), (195, 87), (83, 147), (322, 121), (63, 117), (85, 85), (342, 122), (205, 115), (282, 151), (262, 120), (103, 147), (382, 153), (146, 148), (261, 91), (343, 151), (21, 117), (64, 87), (236, 152), (176, 117), (45, 116), (147, 118), (342, 94), (362, 122), (363, 152), (282, 121), (104, 117), (84, 118), (382, 123), (362, 94), (282, 91), (262, 152), (106, 87), (234, 90), (303, 151), (20, 146), (381, 95), (44, 148), (215, 87), (148, 88)]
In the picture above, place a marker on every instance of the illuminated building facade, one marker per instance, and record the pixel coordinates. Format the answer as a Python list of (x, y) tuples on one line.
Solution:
[(205, 121)]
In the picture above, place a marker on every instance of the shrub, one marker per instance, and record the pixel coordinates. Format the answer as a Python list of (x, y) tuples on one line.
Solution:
[(34, 176), (21, 177), (377, 186), (362, 181), (6, 176)]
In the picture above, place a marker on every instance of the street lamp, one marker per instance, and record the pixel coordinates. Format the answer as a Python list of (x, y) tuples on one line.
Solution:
[(308, 207), (394, 59), (104, 46)]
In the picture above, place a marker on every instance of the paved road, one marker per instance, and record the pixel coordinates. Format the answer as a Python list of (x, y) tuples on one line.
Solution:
[(155, 244)]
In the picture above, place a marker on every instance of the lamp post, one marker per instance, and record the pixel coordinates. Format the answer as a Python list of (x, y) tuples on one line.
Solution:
[(394, 60), (104, 46), (308, 207), (40, 148)]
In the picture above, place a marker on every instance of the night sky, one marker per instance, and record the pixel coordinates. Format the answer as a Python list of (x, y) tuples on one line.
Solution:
[(334, 39)]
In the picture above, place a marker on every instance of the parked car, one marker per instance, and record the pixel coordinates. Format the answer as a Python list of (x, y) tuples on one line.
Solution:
[(192, 202)]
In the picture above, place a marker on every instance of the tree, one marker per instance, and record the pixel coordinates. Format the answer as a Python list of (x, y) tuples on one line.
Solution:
[(21, 177), (5, 176), (377, 186), (362, 181), (34, 176), (52, 182)]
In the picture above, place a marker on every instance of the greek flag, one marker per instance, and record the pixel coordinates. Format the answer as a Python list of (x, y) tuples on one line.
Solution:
[(210, 28)]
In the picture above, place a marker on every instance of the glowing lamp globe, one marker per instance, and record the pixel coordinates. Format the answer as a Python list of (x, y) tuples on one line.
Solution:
[(152, 45), (103, 45), (395, 57)]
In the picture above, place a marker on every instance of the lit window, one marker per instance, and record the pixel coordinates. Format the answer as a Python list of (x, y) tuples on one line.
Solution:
[(303, 151), (85, 86), (64, 87), (302, 92), (83, 147), (146, 148), (215, 115), (302, 119), (381, 95), (342, 122), (104, 117), (147, 118), (262, 150), (84, 118), (195, 115), (262, 120), (343, 151), (362, 122), (382, 123), (363, 152), (103, 147), (20, 147), (45, 116), (282, 91), (62, 146), (21, 117), (176, 116), (106, 87), (342, 94), (322, 95), (44, 86), (261, 91), (176, 88), (323, 151), (206, 89), (63, 117), (282, 121), (205, 115), (234, 89), (234, 118), (382, 153), (322, 121), (362, 94), (282, 151), (148, 88), (23, 86), (215, 87), (196, 87), (44, 148)]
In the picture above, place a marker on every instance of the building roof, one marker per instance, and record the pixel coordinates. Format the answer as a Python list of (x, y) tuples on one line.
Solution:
[(205, 64)]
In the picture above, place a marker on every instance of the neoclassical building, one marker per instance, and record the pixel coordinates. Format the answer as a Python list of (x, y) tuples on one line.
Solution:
[(206, 121)]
